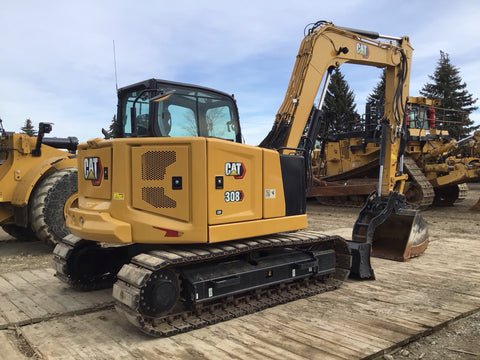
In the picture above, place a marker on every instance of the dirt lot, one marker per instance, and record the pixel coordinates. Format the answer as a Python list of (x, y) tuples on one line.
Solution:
[(16, 255), (458, 340)]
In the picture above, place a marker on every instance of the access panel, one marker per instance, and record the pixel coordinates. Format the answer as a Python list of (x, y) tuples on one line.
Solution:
[(234, 182)]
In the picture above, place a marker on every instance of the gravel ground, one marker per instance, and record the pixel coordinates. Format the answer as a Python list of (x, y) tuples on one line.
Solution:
[(459, 340), (17, 255)]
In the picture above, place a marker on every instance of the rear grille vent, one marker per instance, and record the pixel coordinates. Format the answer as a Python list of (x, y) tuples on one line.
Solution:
[(156, 197), (155, 163)]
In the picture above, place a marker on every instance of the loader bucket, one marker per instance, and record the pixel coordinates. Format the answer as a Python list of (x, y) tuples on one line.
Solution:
[(393, 231)]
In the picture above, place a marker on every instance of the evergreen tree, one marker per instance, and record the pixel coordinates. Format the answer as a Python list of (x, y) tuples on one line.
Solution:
[(376, 102), (339, 100), (447, 86), (111, 129), (378, 94), (28, 128)]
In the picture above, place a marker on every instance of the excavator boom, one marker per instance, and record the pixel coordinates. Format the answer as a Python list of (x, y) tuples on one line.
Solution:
[(326, 47)]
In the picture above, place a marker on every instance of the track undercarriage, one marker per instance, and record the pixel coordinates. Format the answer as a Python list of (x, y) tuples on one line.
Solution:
[(352, 188), (169, 289)]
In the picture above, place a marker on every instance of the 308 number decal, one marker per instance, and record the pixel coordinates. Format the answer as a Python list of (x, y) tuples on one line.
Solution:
[(234, 196)]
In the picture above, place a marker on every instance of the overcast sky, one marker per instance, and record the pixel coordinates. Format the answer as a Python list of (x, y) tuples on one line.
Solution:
[(57, 65)]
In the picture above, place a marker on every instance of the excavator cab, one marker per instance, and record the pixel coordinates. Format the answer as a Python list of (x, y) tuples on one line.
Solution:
[(159, 108)]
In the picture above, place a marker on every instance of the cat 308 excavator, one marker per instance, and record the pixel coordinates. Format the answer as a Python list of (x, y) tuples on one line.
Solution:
[(193, 227)]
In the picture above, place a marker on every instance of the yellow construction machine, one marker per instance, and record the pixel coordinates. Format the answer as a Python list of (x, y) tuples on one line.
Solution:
[(193, 227), (448, 164), (438, 166), (37, 182)]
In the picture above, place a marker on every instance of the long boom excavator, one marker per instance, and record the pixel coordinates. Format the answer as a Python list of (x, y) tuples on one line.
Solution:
[(192, 226)]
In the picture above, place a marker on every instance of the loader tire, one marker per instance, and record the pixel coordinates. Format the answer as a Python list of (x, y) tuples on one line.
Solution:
[(47, 205), (19, 233)]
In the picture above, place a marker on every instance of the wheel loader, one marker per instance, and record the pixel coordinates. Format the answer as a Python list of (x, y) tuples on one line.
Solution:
[(37, 182), (438, 166), (193, 227)]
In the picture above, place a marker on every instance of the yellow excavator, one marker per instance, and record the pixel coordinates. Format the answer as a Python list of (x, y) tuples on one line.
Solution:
[(346, 163), (193, 227)]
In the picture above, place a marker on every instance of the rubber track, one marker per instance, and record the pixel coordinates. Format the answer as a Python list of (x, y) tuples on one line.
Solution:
[(415, 174), (127, 290), (133, 276)]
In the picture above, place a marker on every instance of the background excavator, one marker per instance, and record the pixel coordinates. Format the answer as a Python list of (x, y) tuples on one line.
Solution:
[(195, 227), (346, 165), (37, 182)]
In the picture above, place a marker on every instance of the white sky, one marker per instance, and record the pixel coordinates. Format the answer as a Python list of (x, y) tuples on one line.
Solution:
[(57, 56)]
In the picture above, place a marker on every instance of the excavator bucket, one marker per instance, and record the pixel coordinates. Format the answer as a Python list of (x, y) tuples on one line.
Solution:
[(389, 230), (401, 236)]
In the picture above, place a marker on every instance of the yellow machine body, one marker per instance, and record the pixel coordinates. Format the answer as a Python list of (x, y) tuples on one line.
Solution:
[(20, 171), (340, 158), (225, 191), (38, 181)]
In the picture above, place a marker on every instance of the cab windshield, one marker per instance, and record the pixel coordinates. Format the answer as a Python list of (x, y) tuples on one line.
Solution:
[(182, 112)]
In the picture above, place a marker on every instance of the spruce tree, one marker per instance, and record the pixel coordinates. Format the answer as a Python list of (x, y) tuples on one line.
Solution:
[(28, 128), (447, 86), (112, 128), (377, 97), (339, 100)]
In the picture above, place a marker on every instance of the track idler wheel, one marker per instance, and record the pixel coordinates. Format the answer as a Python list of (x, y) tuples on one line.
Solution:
[(160, 293)]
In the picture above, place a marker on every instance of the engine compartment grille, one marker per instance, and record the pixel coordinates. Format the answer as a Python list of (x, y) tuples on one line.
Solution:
[(155, 163)]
